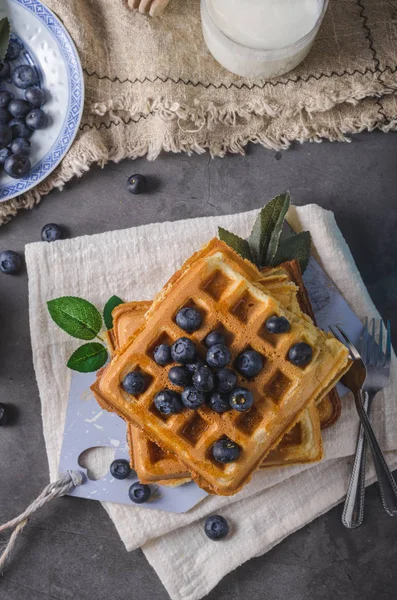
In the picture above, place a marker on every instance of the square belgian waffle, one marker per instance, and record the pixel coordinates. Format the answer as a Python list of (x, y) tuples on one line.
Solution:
[(215, 281)]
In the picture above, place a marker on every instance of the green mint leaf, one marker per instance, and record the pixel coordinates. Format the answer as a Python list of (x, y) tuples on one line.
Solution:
[(256, 238), (295, 247), (236, 243), (88, 358), (4, 37), (76, 316), (107, 311), (272, 217)]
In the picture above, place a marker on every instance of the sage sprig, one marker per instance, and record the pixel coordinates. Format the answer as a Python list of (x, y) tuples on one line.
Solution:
[(82, 320)]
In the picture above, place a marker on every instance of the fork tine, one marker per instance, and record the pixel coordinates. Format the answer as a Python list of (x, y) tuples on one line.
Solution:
[(365, 344), (388, 344), (372, 349), (343, 338), (381, 356)]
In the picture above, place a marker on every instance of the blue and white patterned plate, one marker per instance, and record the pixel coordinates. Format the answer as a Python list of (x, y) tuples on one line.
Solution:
[(48, 46)]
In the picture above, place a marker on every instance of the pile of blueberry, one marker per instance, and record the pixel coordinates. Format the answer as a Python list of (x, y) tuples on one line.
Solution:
[(211, 382), (19, 117)]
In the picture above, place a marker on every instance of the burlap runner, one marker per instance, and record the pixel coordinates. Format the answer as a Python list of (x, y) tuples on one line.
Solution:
[(152, 85)]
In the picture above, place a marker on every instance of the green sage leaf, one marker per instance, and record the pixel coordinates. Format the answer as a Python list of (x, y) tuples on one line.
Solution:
[(4, 37), (236, 243), (295, 247), (89, 357), (272, 220), (107, 311), (76, 316)]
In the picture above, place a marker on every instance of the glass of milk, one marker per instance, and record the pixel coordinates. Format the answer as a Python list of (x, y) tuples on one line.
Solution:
[(261, 38)]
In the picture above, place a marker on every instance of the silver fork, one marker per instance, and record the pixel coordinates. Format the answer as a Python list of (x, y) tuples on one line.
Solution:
[(368, 375)]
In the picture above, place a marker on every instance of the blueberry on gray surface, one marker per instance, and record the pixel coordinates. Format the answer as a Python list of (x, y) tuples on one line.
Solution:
[(216, 527), (5, 116), (36, 119), (5, 135), (241, 399), (300, 354), (215, 337), (13, 50), (24, 76), (19, 108), (19, 128), (277, 325), (4, 414), (120, 468), (250, 363), (17, 165), (193, 398), (192, 367), (10, 262), (188, 319), (162, 354), (203, 379), (5, 98), (4, 154), (179, 376), (219, 402), (134, 383), (225, 380), (35, 96), (225, 451), (5, 70), (136, 184), (183, 351), (139, 493), (218, 356), (51, 232), (20, 146), (168, 402)]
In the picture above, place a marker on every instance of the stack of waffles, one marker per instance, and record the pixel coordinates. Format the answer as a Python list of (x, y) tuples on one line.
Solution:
[(291, 403)]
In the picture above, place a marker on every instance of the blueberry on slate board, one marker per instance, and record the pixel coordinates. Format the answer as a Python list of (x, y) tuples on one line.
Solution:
[(300, 354), (139, 493), (188, 319), (249, 363), (4, 414), (23, 76), (168, 402), (225, 451), (17, 165), (50, 232), (10, 262), (134, 383), (136, 184), (241, 399), (216, 527), (120, 468)]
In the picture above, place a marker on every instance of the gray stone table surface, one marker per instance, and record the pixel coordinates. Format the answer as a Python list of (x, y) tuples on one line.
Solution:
[(71, 549)]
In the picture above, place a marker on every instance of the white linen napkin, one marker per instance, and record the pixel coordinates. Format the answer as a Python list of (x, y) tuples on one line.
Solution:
[(134, 264)]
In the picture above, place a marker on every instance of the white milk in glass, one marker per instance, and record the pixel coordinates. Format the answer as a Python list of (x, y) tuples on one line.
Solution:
[(261, 38)]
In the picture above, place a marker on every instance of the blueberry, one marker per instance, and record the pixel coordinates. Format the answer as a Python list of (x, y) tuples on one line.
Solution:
[(162, 354), (5, 69), (216, 527), (193, 398), (5, 98), (13, 50), (300, 354), (136, 184), (10, 262), (179, 376), (35, 96), (218, 356), (19, 128), (250, 363), (5, 134), (36, 119), (203, 379), (183, 351), (120, 468), (20, 146), (19, 108), (168, 402), (241, 399), (4, 414), (219, 402), (226, 380), (277, 325), (17, 165), (192, 367), (50, 232), (139, 493), (5, 116), (225, 451), (188, 319), (134, 383), (23, 76), (4, 154), (215, 337)]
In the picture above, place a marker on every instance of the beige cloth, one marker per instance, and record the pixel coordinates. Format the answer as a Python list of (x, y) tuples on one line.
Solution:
[(276, 502), (152, 85)]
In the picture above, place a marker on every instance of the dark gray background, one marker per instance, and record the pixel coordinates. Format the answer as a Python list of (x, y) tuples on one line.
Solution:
[(71, 549)]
